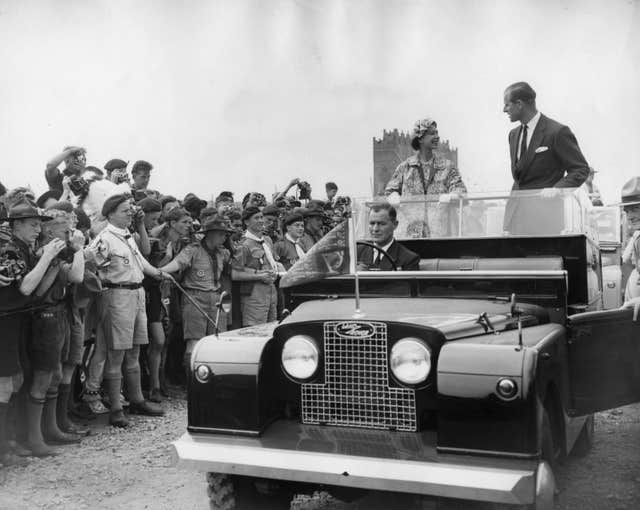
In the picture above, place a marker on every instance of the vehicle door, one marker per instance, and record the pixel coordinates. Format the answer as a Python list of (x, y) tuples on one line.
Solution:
[(604, 360)]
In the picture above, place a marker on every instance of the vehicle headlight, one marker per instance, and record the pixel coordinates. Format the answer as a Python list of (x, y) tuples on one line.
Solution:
[(410, 360), (300, 357), (203, 372)]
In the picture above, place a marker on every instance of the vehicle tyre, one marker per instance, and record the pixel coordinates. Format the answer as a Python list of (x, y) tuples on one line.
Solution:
[(584, 443), (239, 493)]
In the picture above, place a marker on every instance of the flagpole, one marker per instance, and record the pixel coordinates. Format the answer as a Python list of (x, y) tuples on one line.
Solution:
[(353, 263)]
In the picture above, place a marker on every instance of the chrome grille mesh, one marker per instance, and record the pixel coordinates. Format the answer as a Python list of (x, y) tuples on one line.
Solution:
[(356, 392)]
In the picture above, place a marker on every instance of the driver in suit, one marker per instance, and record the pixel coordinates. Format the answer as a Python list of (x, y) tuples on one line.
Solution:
[(382, 224)]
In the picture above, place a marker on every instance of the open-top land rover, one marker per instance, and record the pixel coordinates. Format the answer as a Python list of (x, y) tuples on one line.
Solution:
[(469, 378)]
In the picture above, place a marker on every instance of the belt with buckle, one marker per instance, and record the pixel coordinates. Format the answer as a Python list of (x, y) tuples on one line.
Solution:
[(129, 286)]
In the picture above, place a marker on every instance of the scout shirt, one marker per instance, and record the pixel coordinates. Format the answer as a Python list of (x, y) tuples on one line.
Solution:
[(289, 251), (203, 269), (251, 257), (17, 259), (117, 256)]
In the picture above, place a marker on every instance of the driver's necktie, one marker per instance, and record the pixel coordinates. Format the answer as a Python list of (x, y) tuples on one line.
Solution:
[(377, 259)]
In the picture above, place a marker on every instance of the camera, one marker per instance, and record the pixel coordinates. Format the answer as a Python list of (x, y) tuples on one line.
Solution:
[(304, 189), (78, 186), (13, 268), (67, 254)]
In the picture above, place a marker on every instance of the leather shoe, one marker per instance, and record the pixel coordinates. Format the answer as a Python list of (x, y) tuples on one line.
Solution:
[(62, 438), (118, 419), (155, 395), (72, 428), (145, 407)]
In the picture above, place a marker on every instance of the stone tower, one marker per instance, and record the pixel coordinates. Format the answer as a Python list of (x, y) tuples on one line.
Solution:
[(391, 150)]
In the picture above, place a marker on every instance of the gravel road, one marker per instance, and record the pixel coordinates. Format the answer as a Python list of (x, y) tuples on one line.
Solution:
[(132, 469)]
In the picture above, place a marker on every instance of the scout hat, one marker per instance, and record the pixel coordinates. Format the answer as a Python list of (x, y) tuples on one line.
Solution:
[(310, 213), (216, 224), (420, 128), (114, 164), (23, 210), (150, 205), (271, 210), (292, 218), (630, 192), (111, 203), (249, 212)]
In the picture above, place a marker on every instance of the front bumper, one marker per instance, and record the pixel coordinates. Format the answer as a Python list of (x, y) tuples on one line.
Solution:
[(507, 481)]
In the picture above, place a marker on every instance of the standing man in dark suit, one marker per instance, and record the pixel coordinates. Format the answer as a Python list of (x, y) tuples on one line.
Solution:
[(544, 153), (382, 223), (545, 156)]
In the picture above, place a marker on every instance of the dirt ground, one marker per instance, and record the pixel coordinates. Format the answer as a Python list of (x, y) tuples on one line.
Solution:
[(132, 469)]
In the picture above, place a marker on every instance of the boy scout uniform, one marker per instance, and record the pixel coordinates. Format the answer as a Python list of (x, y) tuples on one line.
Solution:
[(258, 300), (202, 279)]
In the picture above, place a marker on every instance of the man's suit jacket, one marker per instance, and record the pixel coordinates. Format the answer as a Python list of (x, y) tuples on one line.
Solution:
[(405, 259), (553, 151)]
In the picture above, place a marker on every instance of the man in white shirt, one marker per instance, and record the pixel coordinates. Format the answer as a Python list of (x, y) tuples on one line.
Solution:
[(544, 153)]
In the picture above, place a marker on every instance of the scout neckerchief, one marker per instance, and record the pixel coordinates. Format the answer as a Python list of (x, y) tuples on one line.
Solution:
[(296, 244), (265, 247), (213, 255), (125, 236)]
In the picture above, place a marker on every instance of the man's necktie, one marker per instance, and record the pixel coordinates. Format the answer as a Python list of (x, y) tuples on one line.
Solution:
[(377, 259), (523, 142)]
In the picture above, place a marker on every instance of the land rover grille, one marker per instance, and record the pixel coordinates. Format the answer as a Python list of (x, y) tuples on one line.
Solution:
[(356, 391)]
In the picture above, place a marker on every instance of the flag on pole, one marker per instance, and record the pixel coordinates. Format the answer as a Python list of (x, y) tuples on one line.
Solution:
[(331, 255)]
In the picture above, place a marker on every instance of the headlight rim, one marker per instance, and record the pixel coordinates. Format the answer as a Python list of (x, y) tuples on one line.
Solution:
[(427, 379), (199, 378), (302, 380)]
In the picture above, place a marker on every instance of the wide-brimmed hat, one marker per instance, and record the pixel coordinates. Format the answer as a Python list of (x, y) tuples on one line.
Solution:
[(23, 210), (630, 194), (216, 224), (419, 129)]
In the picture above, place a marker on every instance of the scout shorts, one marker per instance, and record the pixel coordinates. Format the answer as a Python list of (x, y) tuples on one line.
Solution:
[(124, 318), (49, 343), (194, 324)]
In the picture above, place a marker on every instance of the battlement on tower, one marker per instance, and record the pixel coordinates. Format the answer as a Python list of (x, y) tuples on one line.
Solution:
[(392, 149)]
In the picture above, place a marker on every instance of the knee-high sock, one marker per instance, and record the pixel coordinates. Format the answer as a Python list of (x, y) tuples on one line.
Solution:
[(134, 385)]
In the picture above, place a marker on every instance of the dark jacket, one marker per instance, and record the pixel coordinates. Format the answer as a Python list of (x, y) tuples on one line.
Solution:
[(404, 258), (552, 159)]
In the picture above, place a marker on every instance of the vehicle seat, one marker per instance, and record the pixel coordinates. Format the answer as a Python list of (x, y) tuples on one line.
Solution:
[(493, 264)]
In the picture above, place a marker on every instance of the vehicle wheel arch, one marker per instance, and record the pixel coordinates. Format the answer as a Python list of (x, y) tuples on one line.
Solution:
[(552, 405)]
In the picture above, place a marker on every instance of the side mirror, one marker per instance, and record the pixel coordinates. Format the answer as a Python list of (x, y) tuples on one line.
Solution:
[(224, 303)]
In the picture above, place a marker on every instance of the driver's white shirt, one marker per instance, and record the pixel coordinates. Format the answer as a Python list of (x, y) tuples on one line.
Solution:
[(385, 248)]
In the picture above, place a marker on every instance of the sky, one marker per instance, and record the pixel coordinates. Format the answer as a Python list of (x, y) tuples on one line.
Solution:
[(245, 95)]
